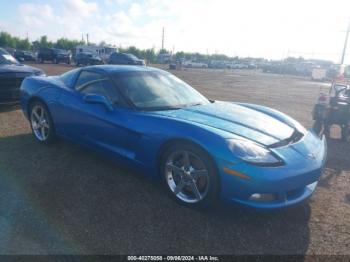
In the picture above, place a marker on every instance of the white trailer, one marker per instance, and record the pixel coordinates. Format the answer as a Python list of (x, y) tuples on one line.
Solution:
[(101, 50), (319, 74)]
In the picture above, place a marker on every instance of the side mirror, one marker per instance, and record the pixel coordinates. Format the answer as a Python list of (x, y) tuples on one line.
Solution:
[(98, 99)]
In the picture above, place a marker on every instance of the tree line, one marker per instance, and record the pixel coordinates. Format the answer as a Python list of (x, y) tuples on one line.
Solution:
[(151, 55)]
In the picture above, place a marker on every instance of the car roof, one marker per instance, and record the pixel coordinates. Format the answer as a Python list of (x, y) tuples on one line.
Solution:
[(111, 69)]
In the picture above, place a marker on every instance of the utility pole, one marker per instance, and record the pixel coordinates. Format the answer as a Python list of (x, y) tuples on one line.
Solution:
[(163, 39), (87, 39), (345, 45)]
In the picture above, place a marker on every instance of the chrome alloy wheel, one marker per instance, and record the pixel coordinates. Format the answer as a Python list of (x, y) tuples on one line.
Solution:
[(187, 176), (40, 122)]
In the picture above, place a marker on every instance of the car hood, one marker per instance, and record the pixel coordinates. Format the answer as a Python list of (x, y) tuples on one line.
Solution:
[(17, 68), (235, 119)]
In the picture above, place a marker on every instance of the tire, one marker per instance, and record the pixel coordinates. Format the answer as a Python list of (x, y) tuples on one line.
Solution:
[(195, 184), (41, 123), (317, 127)]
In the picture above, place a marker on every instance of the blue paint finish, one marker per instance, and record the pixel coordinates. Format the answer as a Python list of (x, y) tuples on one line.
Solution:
[(136, 137)]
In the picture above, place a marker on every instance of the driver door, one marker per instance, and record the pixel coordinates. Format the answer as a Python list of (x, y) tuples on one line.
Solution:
[(93, 124)]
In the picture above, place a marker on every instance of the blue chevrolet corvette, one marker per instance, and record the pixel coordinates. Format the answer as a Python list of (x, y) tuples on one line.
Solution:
[(153, 122)]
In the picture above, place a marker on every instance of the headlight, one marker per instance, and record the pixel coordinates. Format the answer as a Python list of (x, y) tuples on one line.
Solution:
[(253, 153)]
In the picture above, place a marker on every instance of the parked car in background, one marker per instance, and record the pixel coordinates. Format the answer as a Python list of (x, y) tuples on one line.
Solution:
[(252, 66), (23, 56), (194, 64), (217, 64), (12, 74), (87, 59), (239, 66), (125, 59), (54, 55)]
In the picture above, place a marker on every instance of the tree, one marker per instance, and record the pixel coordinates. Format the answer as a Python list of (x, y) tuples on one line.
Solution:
[(67, 44), (150, 55), (163, 51), (23, 44), (6, 40), (44, 43)]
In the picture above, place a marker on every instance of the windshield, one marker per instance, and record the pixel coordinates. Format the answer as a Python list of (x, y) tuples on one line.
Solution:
[(131, 56), (157, 91), (7, 59)]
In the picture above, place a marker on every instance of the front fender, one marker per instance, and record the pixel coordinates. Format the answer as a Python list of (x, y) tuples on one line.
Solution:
[(156, 131)]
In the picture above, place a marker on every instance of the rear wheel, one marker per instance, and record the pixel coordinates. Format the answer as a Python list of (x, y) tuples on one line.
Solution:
[(41, 123), (190, 175)]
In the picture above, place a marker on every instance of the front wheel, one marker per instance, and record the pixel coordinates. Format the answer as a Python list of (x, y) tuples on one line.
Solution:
[(190, 175), (41, 123)]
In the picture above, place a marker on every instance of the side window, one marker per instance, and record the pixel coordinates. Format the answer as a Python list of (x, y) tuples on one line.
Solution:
[(103, 87), (119, 58), (95, 88), (123, 58), (85, 77), (115, 58)]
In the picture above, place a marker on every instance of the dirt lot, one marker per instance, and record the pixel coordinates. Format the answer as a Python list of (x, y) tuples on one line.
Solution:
[(64, 199)]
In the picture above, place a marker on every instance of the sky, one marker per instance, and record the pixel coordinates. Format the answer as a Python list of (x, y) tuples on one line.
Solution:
[(272, 29)]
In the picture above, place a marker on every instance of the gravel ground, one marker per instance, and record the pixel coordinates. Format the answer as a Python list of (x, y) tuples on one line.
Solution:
[(63, 199)]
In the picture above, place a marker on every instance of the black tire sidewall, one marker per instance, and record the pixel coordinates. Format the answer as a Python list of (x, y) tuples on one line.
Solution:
[(52, 135), (214, 186)]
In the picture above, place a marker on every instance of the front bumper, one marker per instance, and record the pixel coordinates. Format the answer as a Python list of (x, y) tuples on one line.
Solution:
[(286, 185), (283, 199)]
